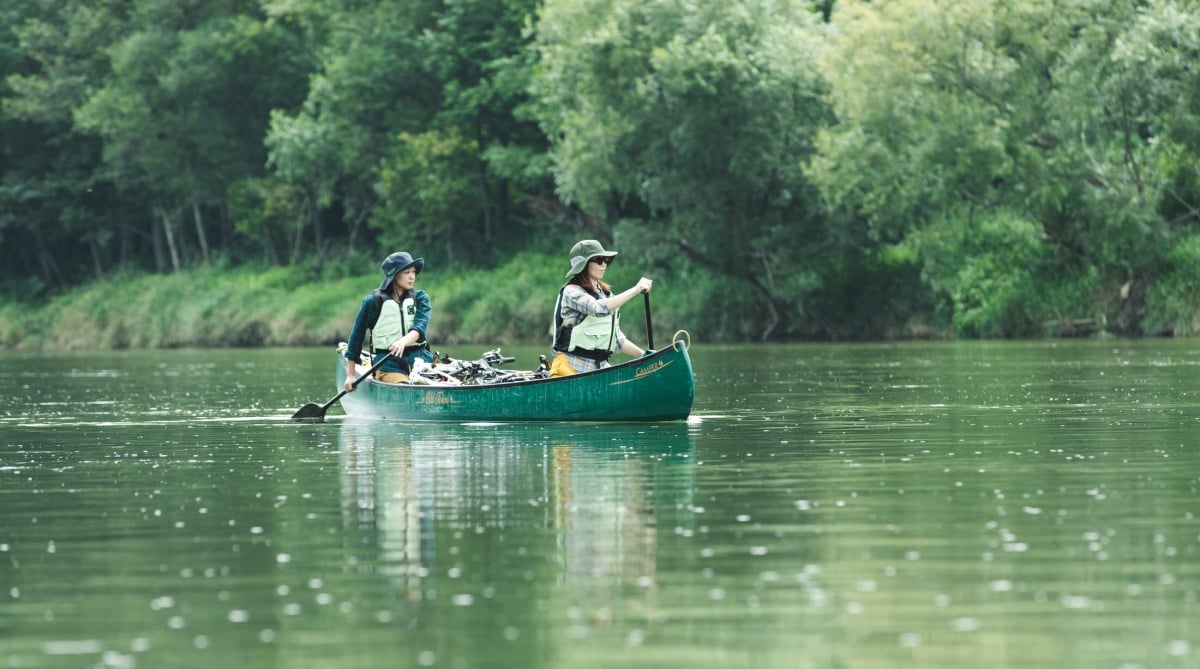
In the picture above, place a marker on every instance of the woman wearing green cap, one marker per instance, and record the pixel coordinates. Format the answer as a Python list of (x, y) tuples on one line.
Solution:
[(587, 328), (397, 316)]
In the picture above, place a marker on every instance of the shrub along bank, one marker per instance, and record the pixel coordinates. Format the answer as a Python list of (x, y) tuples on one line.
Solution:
[(997, 293), (297, 306)]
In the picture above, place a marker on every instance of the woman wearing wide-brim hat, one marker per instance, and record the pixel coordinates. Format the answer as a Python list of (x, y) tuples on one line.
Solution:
[(397, 317), (587, 328)]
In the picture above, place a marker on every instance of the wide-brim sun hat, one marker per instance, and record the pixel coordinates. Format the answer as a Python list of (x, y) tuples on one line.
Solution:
[(396, 263), (582, 252)]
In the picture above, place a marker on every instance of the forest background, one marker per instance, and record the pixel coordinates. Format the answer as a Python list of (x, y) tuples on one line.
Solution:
[(231, 172)]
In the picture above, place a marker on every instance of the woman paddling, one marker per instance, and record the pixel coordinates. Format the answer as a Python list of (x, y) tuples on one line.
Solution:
[(587, 328), (397, 316)]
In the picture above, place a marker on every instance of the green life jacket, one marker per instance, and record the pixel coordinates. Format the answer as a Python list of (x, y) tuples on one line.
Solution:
[(593, 337), (395, 319)]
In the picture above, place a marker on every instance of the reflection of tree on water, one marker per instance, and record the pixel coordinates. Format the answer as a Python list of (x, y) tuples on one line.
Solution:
[(519, 511)]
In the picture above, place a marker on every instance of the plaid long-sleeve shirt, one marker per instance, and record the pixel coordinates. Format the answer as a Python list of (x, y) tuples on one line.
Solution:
[(576, 304)]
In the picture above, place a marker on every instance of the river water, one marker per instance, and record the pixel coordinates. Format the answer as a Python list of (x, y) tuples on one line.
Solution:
[(947, 504)]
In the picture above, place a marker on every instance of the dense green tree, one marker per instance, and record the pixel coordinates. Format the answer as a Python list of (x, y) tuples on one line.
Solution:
[(688, 126), (186, 106), (367, 88), (61, 219), (1154, 70), (412, 124), (1042, 128), (139, 116), (486, 157)]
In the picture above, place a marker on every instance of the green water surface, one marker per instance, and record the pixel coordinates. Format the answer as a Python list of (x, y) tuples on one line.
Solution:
[(948, 504)]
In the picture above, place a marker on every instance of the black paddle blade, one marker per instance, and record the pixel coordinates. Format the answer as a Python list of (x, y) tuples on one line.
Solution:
[(311, 412), (315, 413)]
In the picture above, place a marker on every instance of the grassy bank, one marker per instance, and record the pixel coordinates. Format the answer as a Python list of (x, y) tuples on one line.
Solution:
[(292, 306), (211, 307), (218, 306)]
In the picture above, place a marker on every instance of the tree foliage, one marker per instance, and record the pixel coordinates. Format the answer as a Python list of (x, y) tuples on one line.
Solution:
[(689, 125), (787, 168), (411, 126), (1064, 115)]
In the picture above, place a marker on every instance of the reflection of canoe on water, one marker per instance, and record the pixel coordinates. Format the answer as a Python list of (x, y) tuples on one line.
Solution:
[(519, 439), (654, 388), (590, 509)]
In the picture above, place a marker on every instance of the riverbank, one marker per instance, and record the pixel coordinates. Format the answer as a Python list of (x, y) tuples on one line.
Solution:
[(295, 306), (219, 307)]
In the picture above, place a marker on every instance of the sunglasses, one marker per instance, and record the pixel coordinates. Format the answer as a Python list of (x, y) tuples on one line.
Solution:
[(602, 260)]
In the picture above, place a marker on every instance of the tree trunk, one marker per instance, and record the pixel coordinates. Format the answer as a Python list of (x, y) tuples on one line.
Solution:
[(318, 236), (269, 246), (200, 236), (225, 239), (123, 245), (763, 291), (169, 235), (353, 239), (160, 259), (486, 187), (355, 226), (97, 264), (46, 261), (296, 241)]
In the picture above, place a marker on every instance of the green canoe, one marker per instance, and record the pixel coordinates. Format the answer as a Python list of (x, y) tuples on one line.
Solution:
[(658, 387)]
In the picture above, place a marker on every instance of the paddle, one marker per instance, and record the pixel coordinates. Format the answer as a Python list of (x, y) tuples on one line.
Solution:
[(649, 328), (315, 413)]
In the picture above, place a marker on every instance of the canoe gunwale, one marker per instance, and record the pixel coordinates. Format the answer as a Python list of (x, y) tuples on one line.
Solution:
[(662, 352)]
